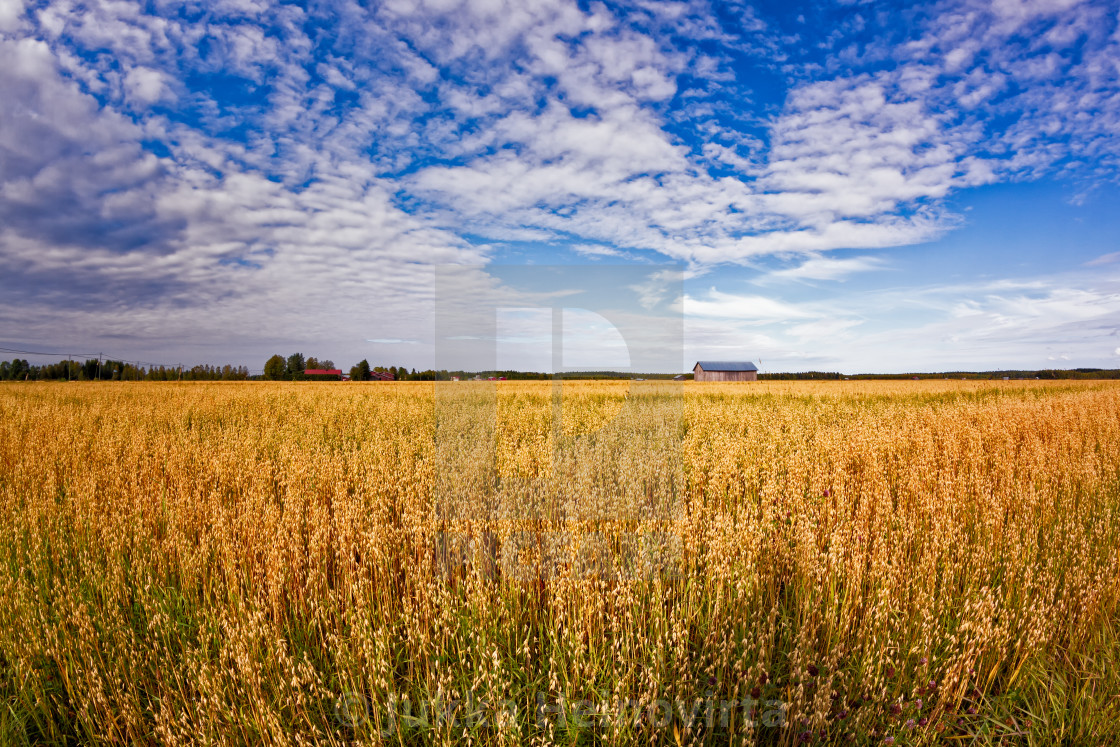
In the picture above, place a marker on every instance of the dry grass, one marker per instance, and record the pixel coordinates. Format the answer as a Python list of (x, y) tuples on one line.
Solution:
[(923, 562)]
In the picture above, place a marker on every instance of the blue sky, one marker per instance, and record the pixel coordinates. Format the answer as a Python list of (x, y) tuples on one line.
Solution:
[(854, 186)]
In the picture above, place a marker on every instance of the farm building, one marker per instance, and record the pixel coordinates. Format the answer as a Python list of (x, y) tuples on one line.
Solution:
[(323, 374), (725, 371)]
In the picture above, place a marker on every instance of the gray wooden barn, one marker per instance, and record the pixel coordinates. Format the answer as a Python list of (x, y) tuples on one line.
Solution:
[(725, 371)]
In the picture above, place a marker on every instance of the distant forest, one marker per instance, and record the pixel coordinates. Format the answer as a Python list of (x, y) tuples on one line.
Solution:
[(1049, 373), (115, 370), (293, 368)]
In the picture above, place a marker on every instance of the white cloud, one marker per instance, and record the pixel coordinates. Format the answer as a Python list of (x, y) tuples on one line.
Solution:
[(11, 12), (1058, 320), (717, 304), (596, 251), (662, 285), (824, 329), (1105, 259), (144, 85), (825, 268), (236, 257)]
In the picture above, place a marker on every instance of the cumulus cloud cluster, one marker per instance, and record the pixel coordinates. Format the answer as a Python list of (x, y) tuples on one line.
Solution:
[(252, 172), (966, 326)]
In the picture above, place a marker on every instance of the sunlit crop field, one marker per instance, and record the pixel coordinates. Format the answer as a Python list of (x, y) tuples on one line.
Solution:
[(512, 563)]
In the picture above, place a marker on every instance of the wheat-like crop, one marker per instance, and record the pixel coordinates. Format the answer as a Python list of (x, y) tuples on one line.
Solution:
[(516, 563)]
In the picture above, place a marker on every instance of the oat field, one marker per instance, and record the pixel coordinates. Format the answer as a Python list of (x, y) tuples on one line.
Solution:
[(908, 563)]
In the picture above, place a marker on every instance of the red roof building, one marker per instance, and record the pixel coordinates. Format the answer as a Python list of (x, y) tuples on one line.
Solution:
[(323, 372)]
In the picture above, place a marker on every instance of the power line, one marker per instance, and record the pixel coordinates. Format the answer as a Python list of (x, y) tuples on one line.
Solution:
[(106, 356), (99, 356), (40, 352)]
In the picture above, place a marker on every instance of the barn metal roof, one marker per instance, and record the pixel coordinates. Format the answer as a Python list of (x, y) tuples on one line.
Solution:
[(726, 365)]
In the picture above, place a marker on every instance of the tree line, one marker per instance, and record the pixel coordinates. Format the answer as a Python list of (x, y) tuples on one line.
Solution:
[(93, 369), (279, 368), (295, 368), (1072, 373)]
